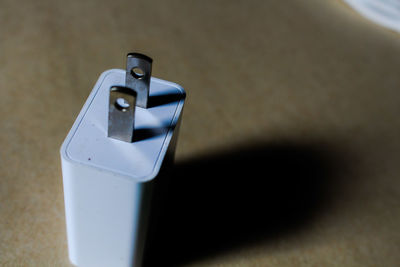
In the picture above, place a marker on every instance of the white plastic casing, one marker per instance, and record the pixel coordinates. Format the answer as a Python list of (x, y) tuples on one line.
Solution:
[(107, 182)]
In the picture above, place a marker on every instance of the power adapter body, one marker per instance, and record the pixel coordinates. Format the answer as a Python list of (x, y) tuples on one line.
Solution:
[(108, 182)]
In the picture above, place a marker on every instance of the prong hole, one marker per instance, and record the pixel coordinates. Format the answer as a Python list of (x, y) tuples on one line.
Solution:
[(137, 73), (121, 104)]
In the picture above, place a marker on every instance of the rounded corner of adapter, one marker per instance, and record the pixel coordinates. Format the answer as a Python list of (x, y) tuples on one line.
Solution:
[(107, 72), (149, 177), (64, 149), (171, 84), (181, 90)]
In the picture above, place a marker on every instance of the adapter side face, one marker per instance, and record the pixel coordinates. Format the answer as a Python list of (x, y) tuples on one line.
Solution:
[(87, 142), (103, 216)]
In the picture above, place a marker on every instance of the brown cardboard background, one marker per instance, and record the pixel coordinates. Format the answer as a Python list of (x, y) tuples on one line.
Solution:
[(276, 71)]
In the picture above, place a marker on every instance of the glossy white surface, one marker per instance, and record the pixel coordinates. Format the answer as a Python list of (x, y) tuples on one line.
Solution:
[(383, 12)]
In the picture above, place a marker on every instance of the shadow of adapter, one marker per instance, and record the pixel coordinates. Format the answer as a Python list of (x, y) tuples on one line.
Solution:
[(238, 197)]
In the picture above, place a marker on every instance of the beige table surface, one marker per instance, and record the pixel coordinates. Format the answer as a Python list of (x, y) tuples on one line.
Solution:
[(298, 76)]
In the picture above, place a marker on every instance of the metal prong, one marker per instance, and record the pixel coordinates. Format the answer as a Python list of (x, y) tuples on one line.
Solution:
[(138, 74), (121, 113)]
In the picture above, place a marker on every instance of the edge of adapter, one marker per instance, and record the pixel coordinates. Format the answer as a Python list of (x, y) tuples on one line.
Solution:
[(157, 166)]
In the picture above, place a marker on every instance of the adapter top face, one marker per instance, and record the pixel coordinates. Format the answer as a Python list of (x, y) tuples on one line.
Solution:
[(87, 142)]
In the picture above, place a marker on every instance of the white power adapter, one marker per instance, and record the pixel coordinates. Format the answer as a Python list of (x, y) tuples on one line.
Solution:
[(111, 159)]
